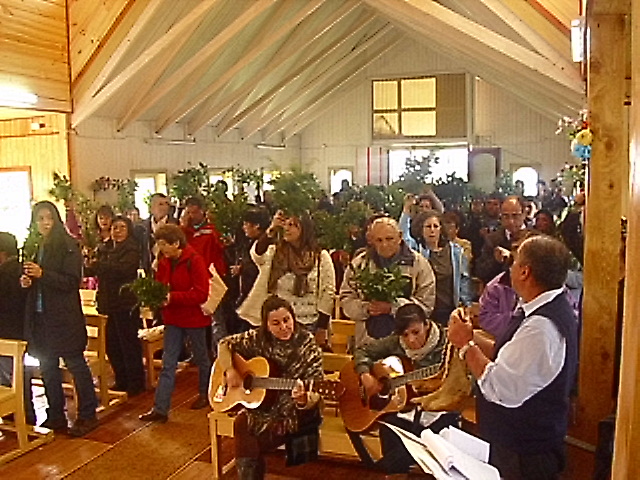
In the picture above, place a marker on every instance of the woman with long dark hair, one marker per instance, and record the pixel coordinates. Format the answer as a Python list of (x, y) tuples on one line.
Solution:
[(295, 268), (116, 265), (293, 417), (55, 326), (450, 265)]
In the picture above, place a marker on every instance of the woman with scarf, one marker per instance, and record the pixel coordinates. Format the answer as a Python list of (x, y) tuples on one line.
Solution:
[(293, 417), (55, 326), (295, 269), (423, 343), (116, 265)]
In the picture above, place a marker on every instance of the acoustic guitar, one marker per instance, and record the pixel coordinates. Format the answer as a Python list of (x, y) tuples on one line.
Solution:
[(359, 410), (257, 385)]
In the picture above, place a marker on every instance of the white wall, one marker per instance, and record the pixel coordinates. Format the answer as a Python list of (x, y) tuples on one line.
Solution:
[(98, 150), (342, 136), (338, 138)]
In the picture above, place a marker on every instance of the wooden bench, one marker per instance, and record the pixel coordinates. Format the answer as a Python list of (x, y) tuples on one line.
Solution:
[(334, 440), (12, 403)]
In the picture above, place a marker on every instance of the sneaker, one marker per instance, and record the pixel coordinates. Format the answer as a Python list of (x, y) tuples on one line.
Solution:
[(153, 416), (59, 425), (82, 426), (201, 402)]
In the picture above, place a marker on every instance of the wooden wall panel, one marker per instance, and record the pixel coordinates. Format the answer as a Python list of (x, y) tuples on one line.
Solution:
[(34, 51), (45, 150), (90, 24)]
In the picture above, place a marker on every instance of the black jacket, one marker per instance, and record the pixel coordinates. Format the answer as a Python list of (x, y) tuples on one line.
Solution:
[(61, 328), (12, 300), (116, 266)]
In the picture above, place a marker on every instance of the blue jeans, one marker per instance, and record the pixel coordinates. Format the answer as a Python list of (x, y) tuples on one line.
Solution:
[(52, 379), (173, 341)]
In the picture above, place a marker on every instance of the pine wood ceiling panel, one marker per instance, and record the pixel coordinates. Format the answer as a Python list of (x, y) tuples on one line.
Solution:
[(90, 23), (33, 50)]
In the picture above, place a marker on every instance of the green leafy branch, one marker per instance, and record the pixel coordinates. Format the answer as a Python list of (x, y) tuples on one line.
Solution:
[(150, 292), (383, 285)]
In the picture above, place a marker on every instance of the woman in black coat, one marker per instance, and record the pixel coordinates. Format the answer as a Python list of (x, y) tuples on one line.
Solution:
[(55, 326), (117, 264)]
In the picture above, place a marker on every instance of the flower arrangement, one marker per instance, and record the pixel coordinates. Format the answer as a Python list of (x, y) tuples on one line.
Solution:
[(579, 131), (150, 292), (383, 285)]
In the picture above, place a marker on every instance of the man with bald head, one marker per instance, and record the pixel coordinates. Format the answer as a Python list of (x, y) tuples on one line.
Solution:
[(498, 245), (374, 319)]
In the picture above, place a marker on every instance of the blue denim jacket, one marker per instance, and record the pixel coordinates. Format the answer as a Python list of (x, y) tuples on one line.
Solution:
[(461, 277)]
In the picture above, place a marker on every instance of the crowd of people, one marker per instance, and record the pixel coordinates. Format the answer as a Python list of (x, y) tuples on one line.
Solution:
[(510, 255)]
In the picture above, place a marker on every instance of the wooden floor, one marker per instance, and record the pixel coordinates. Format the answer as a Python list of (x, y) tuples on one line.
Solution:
[(123, 447)]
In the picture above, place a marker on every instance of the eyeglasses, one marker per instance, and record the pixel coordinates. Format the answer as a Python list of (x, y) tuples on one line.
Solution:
[(511, 216)]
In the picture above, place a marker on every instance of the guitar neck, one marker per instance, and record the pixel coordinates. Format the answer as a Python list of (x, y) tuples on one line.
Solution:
[(415, 375), (271, 383)]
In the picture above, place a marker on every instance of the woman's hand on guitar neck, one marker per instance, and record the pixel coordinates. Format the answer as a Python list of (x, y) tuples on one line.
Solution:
[(370, 384), (233, 378), (299, 394)]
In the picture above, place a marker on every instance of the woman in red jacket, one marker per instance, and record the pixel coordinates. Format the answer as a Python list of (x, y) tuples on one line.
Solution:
[(185, 272)]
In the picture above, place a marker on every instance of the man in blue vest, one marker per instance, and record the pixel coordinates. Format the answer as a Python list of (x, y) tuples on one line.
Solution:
[(525, 378)]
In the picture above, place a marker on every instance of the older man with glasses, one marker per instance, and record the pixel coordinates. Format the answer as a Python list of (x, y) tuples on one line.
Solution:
[(498, 245)]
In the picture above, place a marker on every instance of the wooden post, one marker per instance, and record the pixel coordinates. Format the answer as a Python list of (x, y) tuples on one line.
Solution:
[(626, 461), (607, 186)]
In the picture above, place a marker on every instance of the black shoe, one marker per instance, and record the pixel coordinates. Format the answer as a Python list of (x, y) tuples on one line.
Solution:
[(59, 425), (201, 402), (153, 416), (82, 426)]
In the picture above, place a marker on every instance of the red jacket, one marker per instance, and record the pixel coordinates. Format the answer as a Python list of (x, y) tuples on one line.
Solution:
[(189, 284), (206, 240)]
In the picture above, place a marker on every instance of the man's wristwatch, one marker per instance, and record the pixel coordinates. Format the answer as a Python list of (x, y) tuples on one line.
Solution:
[(463, 350)]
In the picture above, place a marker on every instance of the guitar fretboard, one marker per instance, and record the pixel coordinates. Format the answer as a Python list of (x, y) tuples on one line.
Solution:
[(271, 383), (415, 375)]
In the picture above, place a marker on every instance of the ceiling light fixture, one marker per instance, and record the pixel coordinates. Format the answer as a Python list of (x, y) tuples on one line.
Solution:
[(15, 97), (267, 146), (166, 141)]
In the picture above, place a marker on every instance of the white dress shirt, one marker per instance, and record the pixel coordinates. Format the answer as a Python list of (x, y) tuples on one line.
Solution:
[(529, 361)]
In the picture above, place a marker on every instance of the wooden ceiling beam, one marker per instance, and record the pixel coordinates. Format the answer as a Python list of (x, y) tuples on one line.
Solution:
[(344, 68), (201, 60), (430, 18), (183, 28), (451, 41), (288, 118), (232, 103), (299, 39), (232, 119), (266, 42), (521, 27)]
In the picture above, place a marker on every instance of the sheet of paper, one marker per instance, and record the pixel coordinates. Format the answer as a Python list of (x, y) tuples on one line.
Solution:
[(473, 446)]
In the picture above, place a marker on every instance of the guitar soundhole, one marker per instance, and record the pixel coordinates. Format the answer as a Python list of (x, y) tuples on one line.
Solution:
[(247, 383)]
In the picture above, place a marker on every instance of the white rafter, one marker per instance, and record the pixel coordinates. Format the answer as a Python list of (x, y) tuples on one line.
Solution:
[(303, 38), (264, 44), (344, 68), (183, 27), (229, 123), (198, 61), (431, 18)]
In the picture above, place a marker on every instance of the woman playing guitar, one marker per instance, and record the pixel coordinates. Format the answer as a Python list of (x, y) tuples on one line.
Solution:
[(293, 417), (422, 343)]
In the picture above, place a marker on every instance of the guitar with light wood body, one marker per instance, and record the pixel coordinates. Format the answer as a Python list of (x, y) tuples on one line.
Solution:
[(258, 386), (359, 410)]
